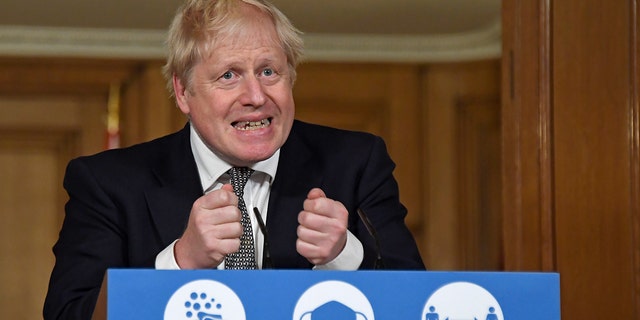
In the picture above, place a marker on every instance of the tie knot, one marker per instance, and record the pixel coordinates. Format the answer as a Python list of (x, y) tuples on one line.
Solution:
[(239, 178)]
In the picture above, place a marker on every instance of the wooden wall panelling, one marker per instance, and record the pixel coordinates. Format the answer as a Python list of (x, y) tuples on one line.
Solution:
[(131, 117), (479, 174), (50, 111), (456, 194), (478, 165), (148, 110), (38, 136), (30, 220), (441, 221), (61, 75)]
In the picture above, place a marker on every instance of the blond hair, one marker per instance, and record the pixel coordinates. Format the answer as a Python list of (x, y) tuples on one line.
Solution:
[(196, 27)]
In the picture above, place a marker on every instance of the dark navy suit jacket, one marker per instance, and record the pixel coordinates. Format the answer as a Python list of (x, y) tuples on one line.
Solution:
[(127, 205)]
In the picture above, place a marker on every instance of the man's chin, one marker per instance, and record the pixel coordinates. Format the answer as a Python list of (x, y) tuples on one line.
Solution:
[(248, 158)]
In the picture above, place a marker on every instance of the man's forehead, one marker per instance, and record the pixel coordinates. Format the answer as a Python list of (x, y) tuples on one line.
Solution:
[(245, 43)]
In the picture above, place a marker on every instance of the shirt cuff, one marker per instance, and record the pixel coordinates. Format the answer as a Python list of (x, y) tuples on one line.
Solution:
[(166, 260), (349, 259)]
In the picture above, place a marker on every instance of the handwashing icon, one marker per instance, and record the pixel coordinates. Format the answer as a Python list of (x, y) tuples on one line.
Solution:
[(208, 316)]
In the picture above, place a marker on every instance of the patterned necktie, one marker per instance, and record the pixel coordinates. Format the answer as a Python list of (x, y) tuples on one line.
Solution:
[(245, 258)]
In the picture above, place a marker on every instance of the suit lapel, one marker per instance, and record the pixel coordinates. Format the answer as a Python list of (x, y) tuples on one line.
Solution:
[(178, 187), (289, 190)]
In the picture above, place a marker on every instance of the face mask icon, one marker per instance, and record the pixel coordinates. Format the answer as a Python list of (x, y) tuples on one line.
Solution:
[(333, 310)]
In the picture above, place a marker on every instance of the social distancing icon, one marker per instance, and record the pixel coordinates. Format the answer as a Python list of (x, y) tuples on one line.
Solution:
[(462, 300)]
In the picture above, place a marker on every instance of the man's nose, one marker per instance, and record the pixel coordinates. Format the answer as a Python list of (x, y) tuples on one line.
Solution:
[(253, 92)]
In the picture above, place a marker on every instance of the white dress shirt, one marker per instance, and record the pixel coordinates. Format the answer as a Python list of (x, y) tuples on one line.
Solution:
[(213, 175)]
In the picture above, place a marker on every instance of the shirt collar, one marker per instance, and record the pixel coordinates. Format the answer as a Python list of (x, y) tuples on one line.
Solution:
[(211, 167)]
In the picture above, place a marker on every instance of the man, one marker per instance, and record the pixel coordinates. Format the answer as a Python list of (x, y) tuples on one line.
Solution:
[(170, 203)]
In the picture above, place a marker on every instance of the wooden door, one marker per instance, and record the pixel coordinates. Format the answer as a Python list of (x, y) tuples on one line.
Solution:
[(571, 150)]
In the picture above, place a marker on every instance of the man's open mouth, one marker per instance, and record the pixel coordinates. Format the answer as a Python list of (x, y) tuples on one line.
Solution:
[(251, 125)]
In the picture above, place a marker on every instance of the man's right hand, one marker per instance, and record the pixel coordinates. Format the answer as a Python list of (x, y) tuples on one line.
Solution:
[(213, 230)]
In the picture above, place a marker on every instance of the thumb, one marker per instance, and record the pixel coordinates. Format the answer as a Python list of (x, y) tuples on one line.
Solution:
[(227, 187), (316, 193)]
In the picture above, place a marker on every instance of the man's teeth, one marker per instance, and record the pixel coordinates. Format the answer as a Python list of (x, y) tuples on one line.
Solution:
[(252, 125)]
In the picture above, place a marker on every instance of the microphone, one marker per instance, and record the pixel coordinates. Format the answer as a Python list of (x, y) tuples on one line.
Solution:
[(367, 223), (267, 253)]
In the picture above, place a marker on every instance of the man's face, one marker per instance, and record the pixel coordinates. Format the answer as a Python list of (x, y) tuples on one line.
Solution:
[(240, 99)]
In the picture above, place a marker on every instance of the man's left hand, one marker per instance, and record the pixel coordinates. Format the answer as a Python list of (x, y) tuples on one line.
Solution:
[(322, 233)]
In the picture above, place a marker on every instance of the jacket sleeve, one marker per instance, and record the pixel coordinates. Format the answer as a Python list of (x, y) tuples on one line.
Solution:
[(91, 239), (378, 196)]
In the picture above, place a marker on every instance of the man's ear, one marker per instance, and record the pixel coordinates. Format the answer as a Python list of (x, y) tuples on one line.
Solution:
[(180, 91)]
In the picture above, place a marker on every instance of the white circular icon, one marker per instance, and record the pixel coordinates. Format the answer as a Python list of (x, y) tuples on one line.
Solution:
[(462, 300), (204, 300)]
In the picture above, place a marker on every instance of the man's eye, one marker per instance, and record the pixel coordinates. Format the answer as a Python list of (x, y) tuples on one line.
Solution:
[(267, 72), (227, 75)]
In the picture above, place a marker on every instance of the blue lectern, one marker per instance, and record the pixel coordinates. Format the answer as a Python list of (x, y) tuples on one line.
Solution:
[(330, 295)]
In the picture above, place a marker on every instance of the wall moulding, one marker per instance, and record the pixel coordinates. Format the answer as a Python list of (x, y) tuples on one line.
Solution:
[(479, 44)]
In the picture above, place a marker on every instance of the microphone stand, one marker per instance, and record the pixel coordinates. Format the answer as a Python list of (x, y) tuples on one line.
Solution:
[(372, 231), (268, 264)]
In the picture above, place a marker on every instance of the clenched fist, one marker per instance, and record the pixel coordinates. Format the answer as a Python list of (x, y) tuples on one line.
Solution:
[(322, 233), (213, 230)]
